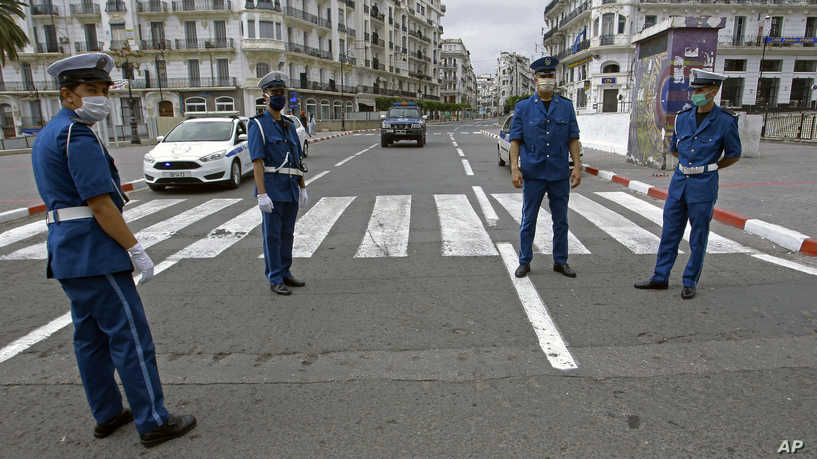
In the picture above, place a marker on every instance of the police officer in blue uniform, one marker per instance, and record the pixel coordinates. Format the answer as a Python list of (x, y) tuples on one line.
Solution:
[(88, 247), (544, 135), (705, 140), (279, 180)]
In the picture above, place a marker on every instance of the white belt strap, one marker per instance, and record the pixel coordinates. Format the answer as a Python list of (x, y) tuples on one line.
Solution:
[(698, 169), (68, 213), (283, 170)]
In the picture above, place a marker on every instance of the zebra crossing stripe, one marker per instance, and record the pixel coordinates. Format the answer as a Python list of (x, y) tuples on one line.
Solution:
[(717, 244), (461, 231), (166, 229), (460, 152), (467, 166), (543, 239), (40, 252), (388, 232), (632, 236), (223, 237), (313, 227), (487, 210)]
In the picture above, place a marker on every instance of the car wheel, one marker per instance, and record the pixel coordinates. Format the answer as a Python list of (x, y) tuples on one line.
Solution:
[(499, 154), (306, 149), (155, 187), (235, 176)]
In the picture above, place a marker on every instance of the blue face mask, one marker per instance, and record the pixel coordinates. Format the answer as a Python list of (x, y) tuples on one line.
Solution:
[(277, 102)]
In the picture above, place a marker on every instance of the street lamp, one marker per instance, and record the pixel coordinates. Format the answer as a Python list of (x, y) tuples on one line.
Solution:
[(760, 76), (126, 53)]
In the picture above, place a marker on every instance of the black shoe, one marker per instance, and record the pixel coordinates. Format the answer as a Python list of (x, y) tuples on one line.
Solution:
[(292, 282), (281, 289), (175, 427), (687, 292), (651, 285), (564, 269), (522, 270), (109, 427)]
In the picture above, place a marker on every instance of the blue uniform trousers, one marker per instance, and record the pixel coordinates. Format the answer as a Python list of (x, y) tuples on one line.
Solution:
[(676, 213), (533, 191), (111, 333), (278, 229)]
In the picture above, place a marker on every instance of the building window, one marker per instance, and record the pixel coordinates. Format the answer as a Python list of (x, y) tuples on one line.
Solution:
[(277, 30), (771, 65), (734, 65), (805, 66), (261, 69), (777, 26), (610, 68), (581, 98), (260, 105), (193, 72), (251, 28), (324, 110), (195, 104), (622, 22), (337, 109), (311, 107), (225, 104), (732, 92), (266, 29), (350, 107), (650, 20), (596, 27)]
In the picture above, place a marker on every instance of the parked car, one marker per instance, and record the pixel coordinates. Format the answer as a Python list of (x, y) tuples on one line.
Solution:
[(503, 144), (198, 151), (302, 134)]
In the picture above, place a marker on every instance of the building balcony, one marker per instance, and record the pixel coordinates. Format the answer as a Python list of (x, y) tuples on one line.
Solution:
[(155, 45), (182, 44), (581, 46), (308, 50), (549, 34), (119, 44), (378, 42), (181, 83), (49, 85), (152, 7), (115, 6), (347, 59), (264, 5), (308, 18), (83, 47), (262, 45), (378, 66), (351, 31), (349, 3), (44, 9), (613, 40), (378, 16), (198, 6), (84, 9), (342, 28), (50, 48), (583, 8), (419, 35)]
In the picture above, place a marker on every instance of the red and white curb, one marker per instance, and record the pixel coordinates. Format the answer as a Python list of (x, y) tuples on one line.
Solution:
[(341, 134), (14, 214), (489, 134), (784, 237)]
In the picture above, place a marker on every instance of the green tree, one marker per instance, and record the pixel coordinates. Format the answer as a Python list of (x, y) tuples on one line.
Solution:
[(510, 103), (12, 37)]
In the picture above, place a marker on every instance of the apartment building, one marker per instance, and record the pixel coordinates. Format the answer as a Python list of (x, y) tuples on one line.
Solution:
[(593, 41), (180, 56), (514, 77), (486, 95), (458, 82)]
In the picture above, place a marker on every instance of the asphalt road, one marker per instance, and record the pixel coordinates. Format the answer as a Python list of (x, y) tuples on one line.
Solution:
[(412, 339)]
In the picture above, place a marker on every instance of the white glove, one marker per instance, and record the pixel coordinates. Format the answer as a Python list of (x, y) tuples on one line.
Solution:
[(303, 198), (142, 262), (265, 203)]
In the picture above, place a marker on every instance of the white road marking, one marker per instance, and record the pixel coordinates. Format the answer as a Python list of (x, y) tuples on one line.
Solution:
[(460, 152), (39, 251), (786, 263), (223, 237), (313, 227), (166, 229), (717, 244), (487, 210), (476, 132), (388, 232), (455, 144), (35, 336), (467, 166), (344, 161), (315, 177), (543, 238), (462, 232), (632, 236), (550, 340)]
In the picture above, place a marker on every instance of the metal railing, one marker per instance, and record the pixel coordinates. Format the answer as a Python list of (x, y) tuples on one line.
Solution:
[(794, 126), (301, 14), (45, 9), (83, 47), (152, 7), (155, 44), (177, 83), (49, 48), (118, 44), (378, 16), (263, 5), (83, 8), (341, 28), (607, 40), (115, 6), (575, 13), (219, 43), (417, 34), (202, 5), (378, 41), (308, 50), (47, 85)]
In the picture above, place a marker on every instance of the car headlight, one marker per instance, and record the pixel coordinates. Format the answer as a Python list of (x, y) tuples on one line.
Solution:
[(386, 125), (213, 156), (416, 125), (148, 158)]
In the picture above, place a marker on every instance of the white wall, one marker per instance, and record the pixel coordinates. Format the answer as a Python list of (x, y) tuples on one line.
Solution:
[(605, 131)]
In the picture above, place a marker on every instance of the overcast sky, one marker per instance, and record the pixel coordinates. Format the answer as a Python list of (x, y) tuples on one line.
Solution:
[(490, 26)]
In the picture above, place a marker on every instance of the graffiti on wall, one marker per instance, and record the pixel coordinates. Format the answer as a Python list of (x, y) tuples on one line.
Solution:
[(648, 117)]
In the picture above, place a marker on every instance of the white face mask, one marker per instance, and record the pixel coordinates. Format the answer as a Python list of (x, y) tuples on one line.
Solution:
[(93, 109), (546, 84)]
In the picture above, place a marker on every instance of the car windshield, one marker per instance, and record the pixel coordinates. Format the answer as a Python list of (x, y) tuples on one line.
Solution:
[(404, 113), (201, 131)]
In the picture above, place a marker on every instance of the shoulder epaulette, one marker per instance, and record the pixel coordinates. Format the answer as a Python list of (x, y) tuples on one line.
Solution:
[(685, 110), (729, 112)]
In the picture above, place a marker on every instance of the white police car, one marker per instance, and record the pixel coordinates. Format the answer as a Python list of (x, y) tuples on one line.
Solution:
[(503, 144), (200, 150)]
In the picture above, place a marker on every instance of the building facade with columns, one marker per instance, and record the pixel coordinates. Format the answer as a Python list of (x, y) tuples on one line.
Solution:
[(514, 77), (593, 41), (181, 56)]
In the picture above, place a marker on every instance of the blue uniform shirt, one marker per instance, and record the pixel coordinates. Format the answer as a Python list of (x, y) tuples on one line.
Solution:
[(273, 147), (544, 153), (67, 178), (699, 146)]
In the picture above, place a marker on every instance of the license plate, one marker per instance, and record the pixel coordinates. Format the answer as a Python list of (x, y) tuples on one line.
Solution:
[(402, 132), (176, 174)]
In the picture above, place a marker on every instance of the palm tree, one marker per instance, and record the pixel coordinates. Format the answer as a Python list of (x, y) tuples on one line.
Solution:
[(12, 36)]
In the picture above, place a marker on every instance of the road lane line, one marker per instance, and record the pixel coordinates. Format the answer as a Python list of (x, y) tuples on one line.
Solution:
[(344, 161), (467, 166), (487, 209), (313, 227), (315, 177), (717, 244), (632, 236), (387, 234), (543, 239), (455, 144), (462, 232), (39, 251), (35, 336), (550, 340), (460, 152)]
